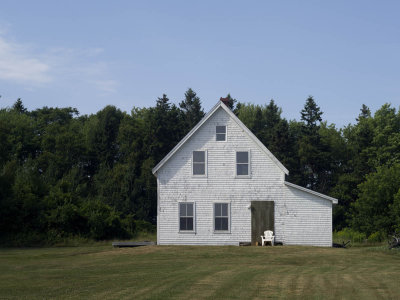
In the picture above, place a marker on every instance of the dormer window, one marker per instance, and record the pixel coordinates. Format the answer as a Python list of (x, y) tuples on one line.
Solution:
[(221, 133)]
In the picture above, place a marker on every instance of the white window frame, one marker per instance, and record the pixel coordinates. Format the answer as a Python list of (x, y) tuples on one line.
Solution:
[(249, 164), (205, 163), (229, 217), (179, 218), (226, 133)]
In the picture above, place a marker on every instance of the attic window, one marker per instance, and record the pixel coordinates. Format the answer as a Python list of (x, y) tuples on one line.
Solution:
[(199, 162), (221, 133), (242, 163)]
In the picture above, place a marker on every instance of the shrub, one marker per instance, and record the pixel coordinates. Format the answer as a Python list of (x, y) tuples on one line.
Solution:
[(24, 239), (350, 234), (145, 227), (68, 219), (104, 222), (129, 224), (377, 207), (376, 237)]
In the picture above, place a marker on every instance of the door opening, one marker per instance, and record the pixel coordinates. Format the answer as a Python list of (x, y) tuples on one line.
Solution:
[(262, 218)]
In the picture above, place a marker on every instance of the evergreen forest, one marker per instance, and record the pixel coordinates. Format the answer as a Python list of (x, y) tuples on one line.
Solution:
[(66, 175)]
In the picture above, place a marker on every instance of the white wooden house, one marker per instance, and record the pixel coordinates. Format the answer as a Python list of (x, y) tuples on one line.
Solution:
[(221, 186)]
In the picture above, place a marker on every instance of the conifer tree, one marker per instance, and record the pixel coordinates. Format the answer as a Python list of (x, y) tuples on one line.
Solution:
[(19, 107), (231, 102), (309, 144), (192, 111), (311, 114), (365, 113)]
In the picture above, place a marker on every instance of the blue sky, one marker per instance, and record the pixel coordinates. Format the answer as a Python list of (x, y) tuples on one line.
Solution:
[(87, 54)]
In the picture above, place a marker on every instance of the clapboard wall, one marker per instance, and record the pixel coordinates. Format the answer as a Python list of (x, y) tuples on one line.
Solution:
[(308, 218), (266, 183)]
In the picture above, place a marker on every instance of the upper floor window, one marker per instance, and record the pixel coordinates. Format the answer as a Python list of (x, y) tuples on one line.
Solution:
[(242, 163), (221, 133), (186, 216), (199, 162)]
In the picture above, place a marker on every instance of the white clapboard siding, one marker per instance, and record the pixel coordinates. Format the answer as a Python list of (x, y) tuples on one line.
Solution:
[(300, 218), (308, 219)]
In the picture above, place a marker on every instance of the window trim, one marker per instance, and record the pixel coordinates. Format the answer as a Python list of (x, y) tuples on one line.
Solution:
[(205, 164), (229, 218), (226, 133), (249, 164), (179, 217)]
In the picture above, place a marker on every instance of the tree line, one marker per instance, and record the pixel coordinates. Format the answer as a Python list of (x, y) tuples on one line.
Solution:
[(65, 175)]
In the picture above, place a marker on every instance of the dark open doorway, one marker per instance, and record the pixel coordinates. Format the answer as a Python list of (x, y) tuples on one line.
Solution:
[(262, 218)]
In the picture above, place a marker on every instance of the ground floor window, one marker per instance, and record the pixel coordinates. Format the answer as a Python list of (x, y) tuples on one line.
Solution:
[(186, 216), (221, 216)]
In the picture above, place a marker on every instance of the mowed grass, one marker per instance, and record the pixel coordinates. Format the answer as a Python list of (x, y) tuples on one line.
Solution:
[(187, 272)]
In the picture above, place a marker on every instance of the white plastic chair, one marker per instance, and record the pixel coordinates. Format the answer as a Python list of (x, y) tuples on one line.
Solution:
[(267, 237)]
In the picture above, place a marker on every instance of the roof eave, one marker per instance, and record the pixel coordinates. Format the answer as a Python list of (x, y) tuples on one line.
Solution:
[(241, 125), (256, 140), (187, 136), (334, 200)]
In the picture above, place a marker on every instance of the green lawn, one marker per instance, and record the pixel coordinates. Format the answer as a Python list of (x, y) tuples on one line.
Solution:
[(185, 272)]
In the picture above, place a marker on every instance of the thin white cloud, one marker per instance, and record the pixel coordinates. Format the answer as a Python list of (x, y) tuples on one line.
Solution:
[(17, 65), (70, 67)]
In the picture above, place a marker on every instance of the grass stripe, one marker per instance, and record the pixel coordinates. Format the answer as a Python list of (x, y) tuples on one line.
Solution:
[(182, 272)]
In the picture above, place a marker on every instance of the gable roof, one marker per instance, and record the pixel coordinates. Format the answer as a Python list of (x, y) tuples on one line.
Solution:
[(240, 124), (334, 200)]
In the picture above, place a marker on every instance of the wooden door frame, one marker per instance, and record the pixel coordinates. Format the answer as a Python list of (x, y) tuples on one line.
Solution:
[(265, 211)]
